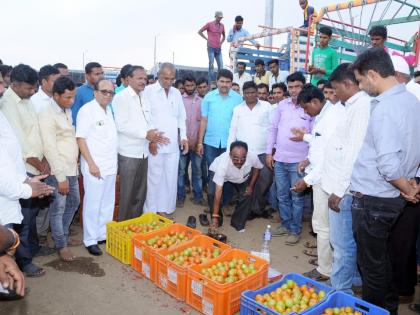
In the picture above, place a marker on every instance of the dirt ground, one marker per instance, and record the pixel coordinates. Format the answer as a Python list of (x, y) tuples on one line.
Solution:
[(102, 285)]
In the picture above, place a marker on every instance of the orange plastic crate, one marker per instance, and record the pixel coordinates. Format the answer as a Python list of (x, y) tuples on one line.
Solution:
[(212, 298), (143, 258), (171, 277)]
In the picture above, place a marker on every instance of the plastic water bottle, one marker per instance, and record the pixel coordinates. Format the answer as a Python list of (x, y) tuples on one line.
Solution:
[(265, 248)]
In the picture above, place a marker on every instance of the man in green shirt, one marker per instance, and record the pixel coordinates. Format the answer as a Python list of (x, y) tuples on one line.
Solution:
[(324, 58)]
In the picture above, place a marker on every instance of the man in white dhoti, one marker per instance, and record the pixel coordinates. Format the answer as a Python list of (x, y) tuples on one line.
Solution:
[(96, 136), (168, 116)]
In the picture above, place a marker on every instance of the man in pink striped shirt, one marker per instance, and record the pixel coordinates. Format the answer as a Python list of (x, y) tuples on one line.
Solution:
[(215, 38)]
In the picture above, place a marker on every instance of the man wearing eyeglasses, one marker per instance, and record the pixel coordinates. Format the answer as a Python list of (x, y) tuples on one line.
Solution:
[(96, 136)]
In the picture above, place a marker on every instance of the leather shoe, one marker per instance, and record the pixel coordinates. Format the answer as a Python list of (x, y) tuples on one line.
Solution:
[(192, 222), (102, 242), (94, 250), (204, 221)]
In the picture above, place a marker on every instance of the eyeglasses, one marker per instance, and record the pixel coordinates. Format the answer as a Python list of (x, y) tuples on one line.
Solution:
[(107, 92), (237, 159)]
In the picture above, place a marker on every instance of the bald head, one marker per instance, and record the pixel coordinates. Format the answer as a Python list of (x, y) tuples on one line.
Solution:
[(166, 75)]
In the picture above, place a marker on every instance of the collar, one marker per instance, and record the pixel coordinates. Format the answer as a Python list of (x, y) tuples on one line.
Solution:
[(131, 91), (354, 98), (396, 89), (43, 95), (13, 96), (57, 107), (194, 96), (216, 92), (100, 107), (261, 75)]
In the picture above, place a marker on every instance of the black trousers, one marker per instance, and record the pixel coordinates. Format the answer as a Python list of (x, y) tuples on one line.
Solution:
[(243, 207), (373, 222), (403, 242), (262, 187)]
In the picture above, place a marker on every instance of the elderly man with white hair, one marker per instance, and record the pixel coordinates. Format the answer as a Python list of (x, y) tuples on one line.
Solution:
[(167, 116), (402, 74)]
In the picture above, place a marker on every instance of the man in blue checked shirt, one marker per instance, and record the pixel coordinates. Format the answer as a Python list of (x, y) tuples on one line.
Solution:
[(238, 32)]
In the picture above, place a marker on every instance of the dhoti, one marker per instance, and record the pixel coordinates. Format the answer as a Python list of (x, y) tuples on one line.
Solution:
[(162, 177)]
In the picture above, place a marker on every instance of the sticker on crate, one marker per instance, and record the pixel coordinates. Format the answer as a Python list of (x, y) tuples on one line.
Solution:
[(138, 253), (172, 275), (197, 288), (207, 307), (146, 270), (163, 281)]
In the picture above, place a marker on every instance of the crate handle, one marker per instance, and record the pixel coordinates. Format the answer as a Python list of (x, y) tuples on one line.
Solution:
[(216, 245), (251, 259), (161, 220), (363, 307)]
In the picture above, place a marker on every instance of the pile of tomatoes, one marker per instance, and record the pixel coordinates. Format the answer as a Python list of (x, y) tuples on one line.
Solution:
[(291, 298), (166, 241), (229, 271), (345, 310), (141, 228), (193, 255)]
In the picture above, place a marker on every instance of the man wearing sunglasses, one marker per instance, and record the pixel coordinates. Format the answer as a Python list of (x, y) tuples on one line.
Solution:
[(96, 136)]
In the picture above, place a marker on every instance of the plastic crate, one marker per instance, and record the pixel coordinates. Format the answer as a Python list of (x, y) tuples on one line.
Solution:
[(212, 298), (119, 244), (340, 299), (144, 255), (171, 277), (249, 306)]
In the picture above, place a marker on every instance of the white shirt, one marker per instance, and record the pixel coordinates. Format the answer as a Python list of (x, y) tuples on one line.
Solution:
[(132, 118), (225, 171), (281, 77), (97, 127), (324, 126), (251, 126), (13, 174), (167, 115), (414, 88), (344, 146), (245, 77), (40, 100)]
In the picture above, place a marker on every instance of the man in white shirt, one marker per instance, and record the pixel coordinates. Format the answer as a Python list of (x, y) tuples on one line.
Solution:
[(237, 169), (313, 101), (47, 76), (96, 136), (402, 74), (132, 119), (341, 153), (240, 76), (168, 116), (276, 76), (250, 124)]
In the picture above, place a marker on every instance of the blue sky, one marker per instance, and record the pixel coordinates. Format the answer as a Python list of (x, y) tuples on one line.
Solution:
[(114, 33)]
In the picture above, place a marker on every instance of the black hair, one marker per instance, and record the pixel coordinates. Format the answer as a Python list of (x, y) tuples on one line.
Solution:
[(190, 78), (60, 65), (276, 61), (241, 63), (239, 18), (202, 80), (89, 67), (327, 85), (118, 80), (416, 74), (5, 69), (321, 82), (46, 71), (178, 82), (379, 30), (280, 85), (24, 73), (326, 31), (235, 84), (296, 76), (225, 74), (376, 59), (62, 84), (130, 71), (126, 71), (248, 85), (259, 62), (343, 72), (238, 144), (150, 77), (263, 86), (308, 93)]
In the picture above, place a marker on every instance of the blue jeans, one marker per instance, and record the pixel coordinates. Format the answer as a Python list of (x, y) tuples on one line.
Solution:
[(62, 210), (344, 272), (195, 176), (290, 203), (214, 53)]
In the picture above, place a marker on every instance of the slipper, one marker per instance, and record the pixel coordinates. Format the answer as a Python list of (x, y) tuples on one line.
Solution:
[(33, 271), (310, 252), (313, 261), (310, 244), (315, 275)]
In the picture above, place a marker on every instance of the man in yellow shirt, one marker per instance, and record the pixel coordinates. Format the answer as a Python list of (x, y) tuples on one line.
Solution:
[(61, 151), (261, 75)]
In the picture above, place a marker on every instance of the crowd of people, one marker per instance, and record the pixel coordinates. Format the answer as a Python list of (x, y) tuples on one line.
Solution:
[(258, 142)]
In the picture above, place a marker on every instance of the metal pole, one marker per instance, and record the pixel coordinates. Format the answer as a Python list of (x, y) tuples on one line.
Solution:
[(154, 52), (269, 13)]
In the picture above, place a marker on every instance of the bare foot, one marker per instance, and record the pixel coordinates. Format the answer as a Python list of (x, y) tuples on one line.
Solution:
[(73, 242), (66, 255)]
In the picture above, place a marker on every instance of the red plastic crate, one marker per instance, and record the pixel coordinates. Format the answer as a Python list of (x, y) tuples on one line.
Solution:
[(212, 298), (171, 277), (143, 258)]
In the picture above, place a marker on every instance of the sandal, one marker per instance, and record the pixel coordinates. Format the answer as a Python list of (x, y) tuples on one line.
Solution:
[(33, 271), (66, 255), (310, 252), (313, 261), (310, 244), (315, 275)]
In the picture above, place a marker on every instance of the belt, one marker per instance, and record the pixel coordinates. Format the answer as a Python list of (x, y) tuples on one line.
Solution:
[(357, 194)]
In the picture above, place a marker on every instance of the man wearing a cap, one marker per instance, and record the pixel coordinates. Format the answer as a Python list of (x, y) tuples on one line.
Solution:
[(402, 74), (215, 38)]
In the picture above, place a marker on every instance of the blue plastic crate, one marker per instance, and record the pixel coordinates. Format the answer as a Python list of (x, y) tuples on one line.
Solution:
[(340, 299), (251, 307)]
